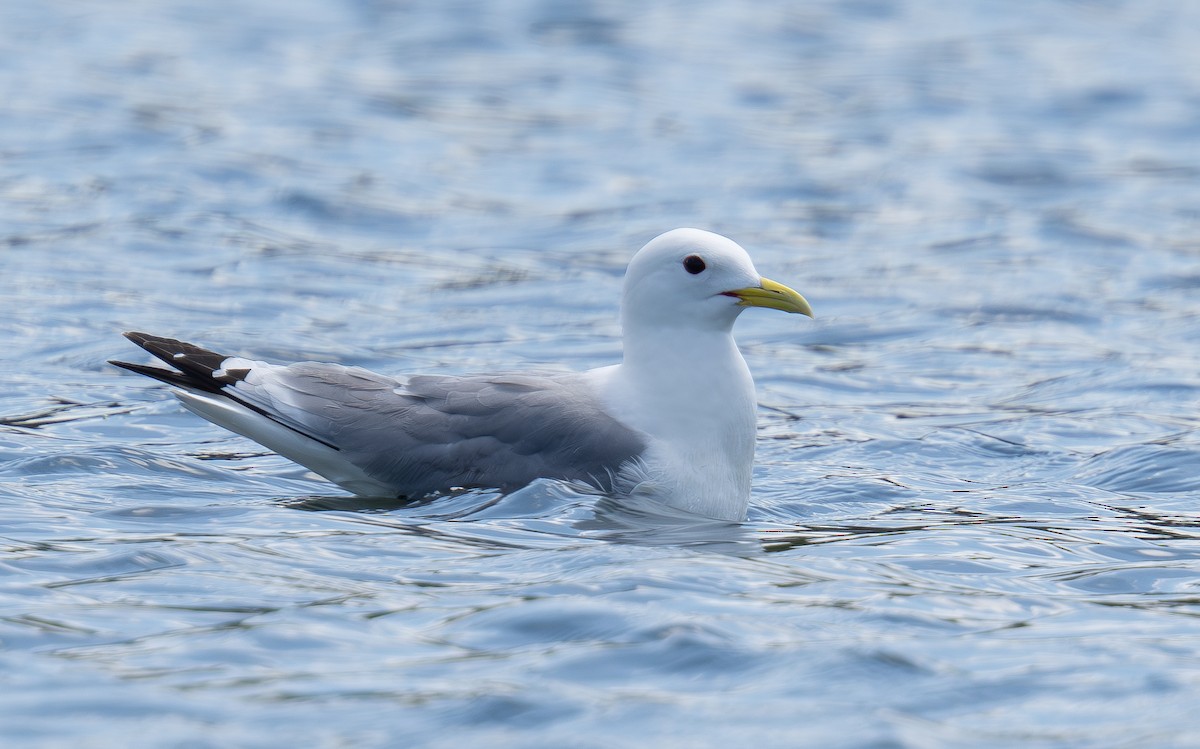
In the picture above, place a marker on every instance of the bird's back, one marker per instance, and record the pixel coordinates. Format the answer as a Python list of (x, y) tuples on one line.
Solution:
[(427, 434)]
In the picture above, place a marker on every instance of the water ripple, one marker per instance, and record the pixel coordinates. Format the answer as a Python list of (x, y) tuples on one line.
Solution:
[(974, 515)]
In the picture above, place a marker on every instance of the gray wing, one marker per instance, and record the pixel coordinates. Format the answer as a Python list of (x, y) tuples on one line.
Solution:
[(435, 433), (413, 436)]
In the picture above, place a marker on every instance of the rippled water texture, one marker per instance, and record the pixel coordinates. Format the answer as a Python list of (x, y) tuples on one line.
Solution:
[(975, 513)]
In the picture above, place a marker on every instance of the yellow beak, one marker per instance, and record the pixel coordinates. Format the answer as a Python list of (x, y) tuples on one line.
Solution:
[(772, 295)]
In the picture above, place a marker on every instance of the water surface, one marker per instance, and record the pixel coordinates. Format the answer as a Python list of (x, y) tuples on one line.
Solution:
[(974, 520)]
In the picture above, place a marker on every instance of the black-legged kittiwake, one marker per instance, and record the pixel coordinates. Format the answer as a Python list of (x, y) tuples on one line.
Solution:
[(674, 421)]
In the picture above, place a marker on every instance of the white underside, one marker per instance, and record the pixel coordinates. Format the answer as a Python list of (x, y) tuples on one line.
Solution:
[(309, 453), (699, 448)]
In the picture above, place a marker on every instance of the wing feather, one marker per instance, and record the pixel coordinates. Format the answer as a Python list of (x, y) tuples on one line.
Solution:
[(416, 435)]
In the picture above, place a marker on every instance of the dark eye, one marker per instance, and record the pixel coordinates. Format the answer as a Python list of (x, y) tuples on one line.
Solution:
[(694, 264)]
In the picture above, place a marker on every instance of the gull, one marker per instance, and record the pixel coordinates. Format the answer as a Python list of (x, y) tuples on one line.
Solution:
[(674, 421)]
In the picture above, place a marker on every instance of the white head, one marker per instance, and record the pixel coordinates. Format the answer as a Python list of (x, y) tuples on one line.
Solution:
[(694, 279), (682, 380)]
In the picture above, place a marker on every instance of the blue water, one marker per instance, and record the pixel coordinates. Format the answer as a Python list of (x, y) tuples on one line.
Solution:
[(976, 515)]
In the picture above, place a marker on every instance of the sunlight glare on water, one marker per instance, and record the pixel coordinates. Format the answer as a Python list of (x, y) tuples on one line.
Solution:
[(974, 520)]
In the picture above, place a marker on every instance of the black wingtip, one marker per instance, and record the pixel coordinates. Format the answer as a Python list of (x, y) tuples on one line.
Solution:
[(201, 370), (145, 339), (169, 376), (197, 367)]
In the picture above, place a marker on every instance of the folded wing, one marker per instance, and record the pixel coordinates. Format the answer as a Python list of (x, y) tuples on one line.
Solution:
[(411, 437)]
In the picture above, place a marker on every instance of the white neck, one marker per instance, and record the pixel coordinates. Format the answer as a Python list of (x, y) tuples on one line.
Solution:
[(690, 391)]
